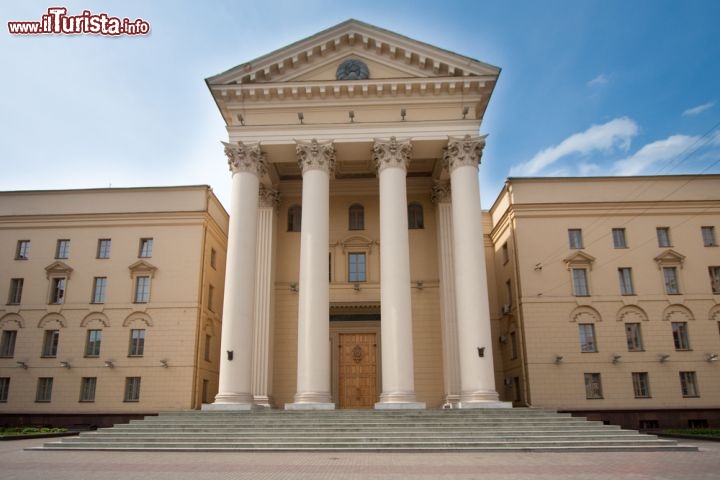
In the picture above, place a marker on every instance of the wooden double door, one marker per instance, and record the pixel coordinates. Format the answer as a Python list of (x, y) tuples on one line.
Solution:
[(357, 370)]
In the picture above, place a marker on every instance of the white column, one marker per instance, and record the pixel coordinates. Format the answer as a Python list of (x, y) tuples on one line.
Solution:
[(477, 377), (448, 320), (317, 161), (247, 165), (262, 346), (398, 382)]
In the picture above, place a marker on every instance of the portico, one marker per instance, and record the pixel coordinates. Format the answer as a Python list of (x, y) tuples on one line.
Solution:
[(355, 119)]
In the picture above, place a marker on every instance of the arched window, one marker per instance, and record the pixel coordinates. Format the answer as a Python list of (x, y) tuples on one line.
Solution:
[(356, 217), (415, 216), (294, 218)]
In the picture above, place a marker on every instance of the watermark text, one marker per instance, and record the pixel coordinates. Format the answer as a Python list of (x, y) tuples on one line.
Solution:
[(57, 22)]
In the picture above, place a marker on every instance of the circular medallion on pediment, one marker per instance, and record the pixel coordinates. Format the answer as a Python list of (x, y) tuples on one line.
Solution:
[(352, 69)]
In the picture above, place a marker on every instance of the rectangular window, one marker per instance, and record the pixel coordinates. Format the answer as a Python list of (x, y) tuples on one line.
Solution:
[(142, 289), (663, 237), (50, 343), (517, 391), (99, 288), (146, 245), (62, 249), (206, 391), (593, 386), (626, 284), (641, 384), (210, 303), (708, 236), (7, 343), (208, 345), (587, 337), (575, 238), (634, 337), (103, 250), (44, 389), (680, 335), (513, 346), (23, 250), (57, 291), (213, 258), (137, 343), (92, 344), (16, 287), (619, 240), (580, 285), (505, 253), (671, 280), (4, 389), (356, 267), (688, 384), (87, 389), (132, 389), (714, 279)]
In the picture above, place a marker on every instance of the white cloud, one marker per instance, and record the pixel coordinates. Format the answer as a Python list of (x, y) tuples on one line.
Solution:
[(652, 153), (697, 110), (617, 133), (601, 79)]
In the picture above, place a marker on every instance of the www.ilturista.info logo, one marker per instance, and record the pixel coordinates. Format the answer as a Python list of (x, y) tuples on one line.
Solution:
[(58, 22)]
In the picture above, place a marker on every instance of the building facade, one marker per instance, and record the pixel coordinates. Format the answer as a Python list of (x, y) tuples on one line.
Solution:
[(113, 302)]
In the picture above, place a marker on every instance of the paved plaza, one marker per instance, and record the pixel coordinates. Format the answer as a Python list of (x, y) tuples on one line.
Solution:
[(17, 463)]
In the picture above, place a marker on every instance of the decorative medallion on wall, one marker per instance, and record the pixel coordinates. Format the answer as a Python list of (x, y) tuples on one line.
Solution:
[(352, 69), (357, 354)]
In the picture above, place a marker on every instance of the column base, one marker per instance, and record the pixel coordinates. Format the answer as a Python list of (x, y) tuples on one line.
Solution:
[(451, 401), (484, 404), (262, 401), (400, 406), (228, 407), (311, 401)]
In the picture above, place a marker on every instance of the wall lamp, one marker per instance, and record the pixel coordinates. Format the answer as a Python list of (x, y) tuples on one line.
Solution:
[(301, 117), (419, 284), (22, 365), (663, 357), (294, 287), (65, 365), (558, 359), (164, 363), (241, 119), (356, 287), (616, 358), (466, 110), (712, 357), (351, 114), (403, 112), (109, 364)]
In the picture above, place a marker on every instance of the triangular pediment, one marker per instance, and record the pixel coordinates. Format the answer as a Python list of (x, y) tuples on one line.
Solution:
[(142, 267), (670, 257), (579, 259), (58, 268), (387, 55)]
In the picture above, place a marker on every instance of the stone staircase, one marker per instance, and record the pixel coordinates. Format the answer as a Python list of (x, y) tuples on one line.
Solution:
[(519, 429)]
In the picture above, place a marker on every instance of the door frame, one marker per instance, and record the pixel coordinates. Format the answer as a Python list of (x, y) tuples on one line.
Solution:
[(338, 327)]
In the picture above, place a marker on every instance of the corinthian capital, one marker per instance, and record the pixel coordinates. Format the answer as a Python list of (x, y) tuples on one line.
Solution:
[(268, 197), (314, 155), (246, 158), (440, 192), (463, 151), (391, 153)]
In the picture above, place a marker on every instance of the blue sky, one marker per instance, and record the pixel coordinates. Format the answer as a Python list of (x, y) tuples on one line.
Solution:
[(612, 87)]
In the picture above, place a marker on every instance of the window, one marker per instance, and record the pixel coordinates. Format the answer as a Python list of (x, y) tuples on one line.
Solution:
[(580, 285), (508, 293), (62, 249), (513, 346), (688, 384), (44, 389), (626, 284), (714, 279), (210, 303), (142, 289), (587, 337), (356, 267), (15, 295), (641, 384), (146, 245), (619, 240), (517, 391), (4, 388), (593, 386), (99, 288), (7, 343), (708, 236), (415, 216), (50, 343), (206, 391), (213, 258), (680, 335), (57, 291), (671, 280), (575, 238), (505, 253), (103, 248), (132, 389), (87, 389), (208, 344), (137, 343), (294, 220), (23, 250), (663, 237), (92, 344), (634, 337), (356, 217)]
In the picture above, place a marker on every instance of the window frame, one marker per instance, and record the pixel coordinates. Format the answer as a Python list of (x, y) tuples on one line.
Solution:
[(103, 248), (575, 239), (714, 272), (294, 218), (99, 291), (633, 337), (619, 236), (146, 248), (360, 277), (663, 237), (208, 348), (708, 236), (513, 345), (88, 387), (58, 290), (136, 346), (641, 384), (578, 282), (8, 339), (593, 386), (213, 259), (627, 288), (132, 389), (588, 338), (93, 343), (43, 392), (688, 384), (62, 249), (210, 299), (356, 217), (681, 336), (672, 285), (16, 289), (51, 341), (22, 250), (4, 389), (416, 216), (141, 289)]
